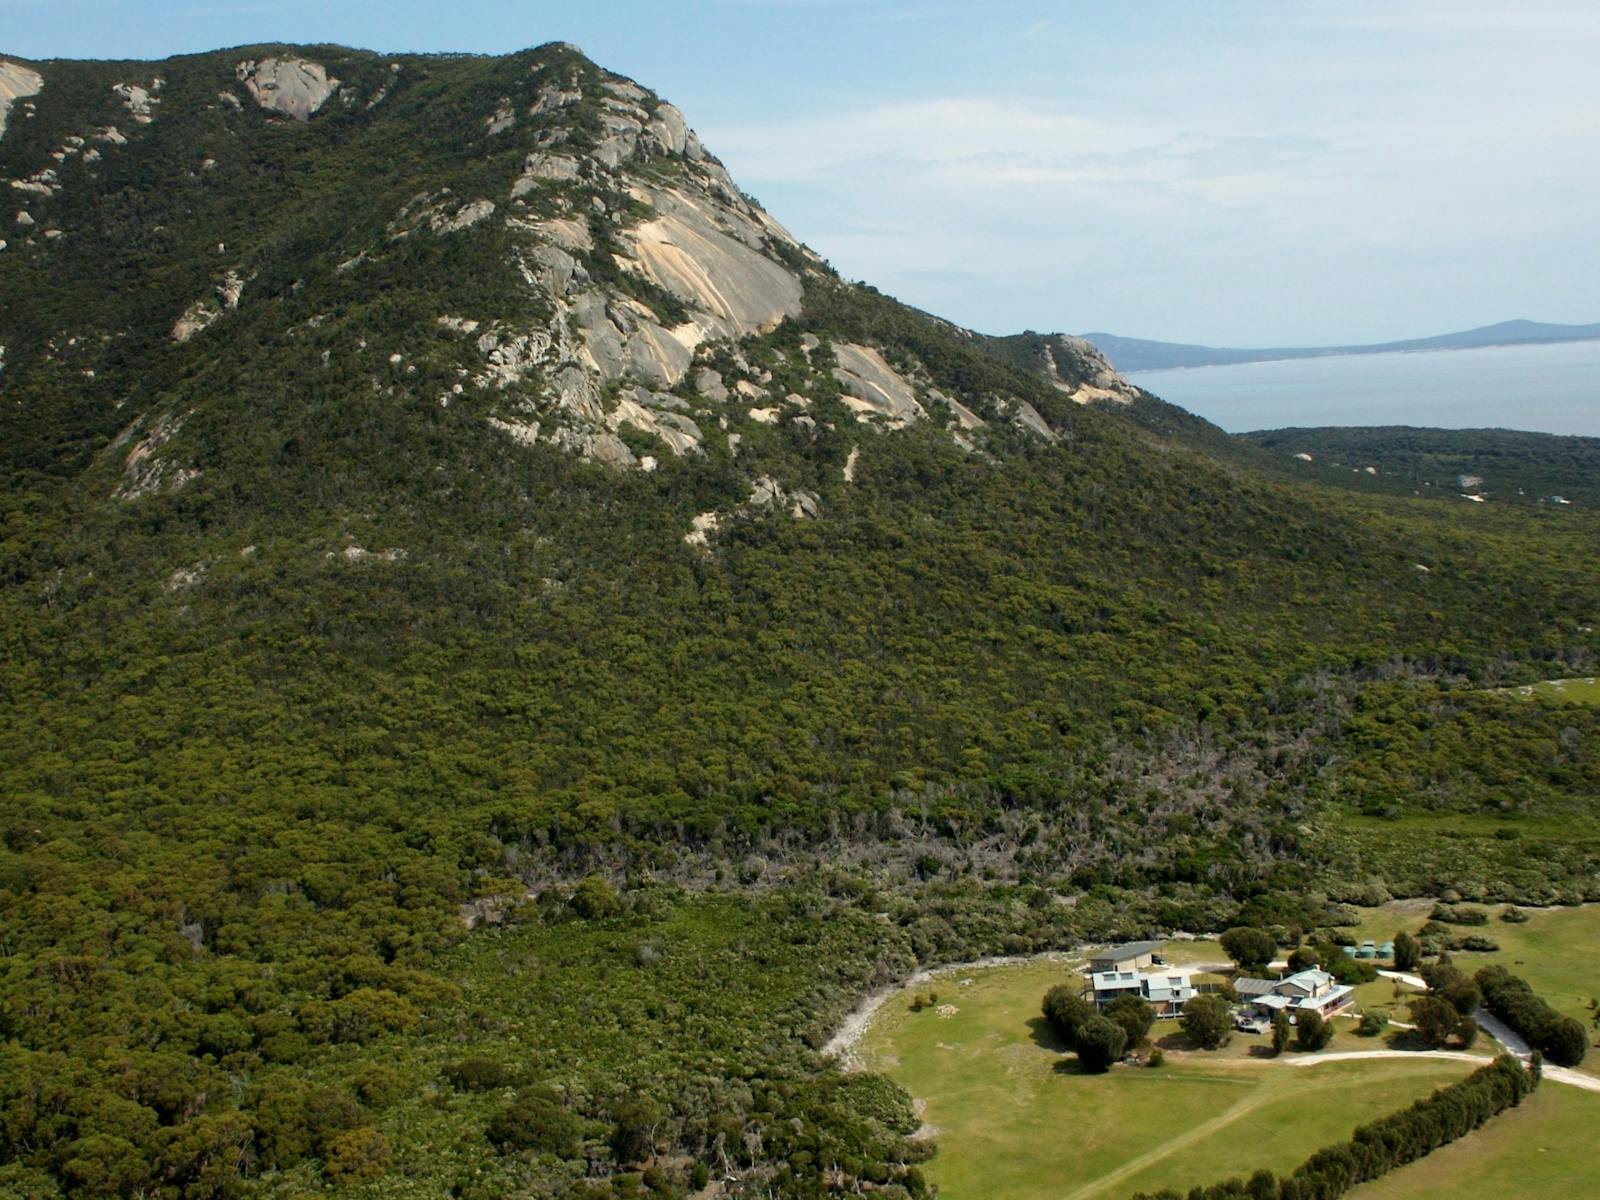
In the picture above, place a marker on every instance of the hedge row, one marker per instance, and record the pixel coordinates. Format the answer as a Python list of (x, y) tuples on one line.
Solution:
[(1393, 1141), (1562, 1040)]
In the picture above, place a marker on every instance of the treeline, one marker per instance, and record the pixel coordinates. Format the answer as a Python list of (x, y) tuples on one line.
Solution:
[(1374, 1150), (1560, 1039)]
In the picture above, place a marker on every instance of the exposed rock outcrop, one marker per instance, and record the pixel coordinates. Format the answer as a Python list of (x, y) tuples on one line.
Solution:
[(1091, 378), (873, 388), (17, 82), (295, 87)]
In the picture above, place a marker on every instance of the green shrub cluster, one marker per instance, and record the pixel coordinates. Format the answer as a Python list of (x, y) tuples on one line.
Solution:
[(1561, 1039)]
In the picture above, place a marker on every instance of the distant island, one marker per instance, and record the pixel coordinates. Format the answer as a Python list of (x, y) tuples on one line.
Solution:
[(1140, 354)]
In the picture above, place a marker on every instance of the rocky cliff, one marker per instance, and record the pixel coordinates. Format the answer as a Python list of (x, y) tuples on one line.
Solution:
[(594, 276)]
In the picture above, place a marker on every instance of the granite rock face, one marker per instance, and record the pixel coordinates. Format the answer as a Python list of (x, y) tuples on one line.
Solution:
[(17, 82), (295, 87)]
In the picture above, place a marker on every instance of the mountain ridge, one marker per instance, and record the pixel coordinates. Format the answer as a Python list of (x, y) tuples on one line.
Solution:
[(1142, 354)]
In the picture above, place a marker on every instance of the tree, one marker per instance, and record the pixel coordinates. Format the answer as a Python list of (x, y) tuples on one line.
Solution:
[(1101, 1042), (537, 1120), (1407, 952), (1282, 1031), (595, 898), (1206, 1021), (1435, 1018), (1303, 958), (1135, 1016), (1248, 946), (1311, 1032), (1066, 1010)]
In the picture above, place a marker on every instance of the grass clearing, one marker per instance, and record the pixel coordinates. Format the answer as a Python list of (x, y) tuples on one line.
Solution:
[(1543, 1148), (1015, 1121), (1576, 691)]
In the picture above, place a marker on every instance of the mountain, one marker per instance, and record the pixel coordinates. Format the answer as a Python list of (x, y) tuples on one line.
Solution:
[(503, 648), (1139, 354)]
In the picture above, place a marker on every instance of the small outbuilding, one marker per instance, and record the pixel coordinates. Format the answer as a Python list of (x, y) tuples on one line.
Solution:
[(1130, 956)]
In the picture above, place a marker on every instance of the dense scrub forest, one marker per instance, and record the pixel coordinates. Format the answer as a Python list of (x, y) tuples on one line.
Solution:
[(1506, 465), (438, 763)]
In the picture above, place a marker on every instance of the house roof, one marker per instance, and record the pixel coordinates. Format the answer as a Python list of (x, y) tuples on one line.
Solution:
[(1310, 979), (1255, 987), (1325, 999), (1126, 950)]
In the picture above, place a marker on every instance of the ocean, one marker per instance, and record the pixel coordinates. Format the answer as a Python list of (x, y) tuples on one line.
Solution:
[(1546, 388)]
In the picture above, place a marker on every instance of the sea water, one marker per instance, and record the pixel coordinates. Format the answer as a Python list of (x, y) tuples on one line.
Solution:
[(1552, 388)]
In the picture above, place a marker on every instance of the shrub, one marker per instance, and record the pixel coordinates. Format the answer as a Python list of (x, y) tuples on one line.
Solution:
[(1311, 1032), (1407, 952), (1459, 914), (1066, 1010), (1479, 942), (1206, 1021), (537, 1121), (1435, 1017), (1134, 1015), (1514, 915), (1100, 1043), (1373, 1022), (1248, 946), (478, 1075)]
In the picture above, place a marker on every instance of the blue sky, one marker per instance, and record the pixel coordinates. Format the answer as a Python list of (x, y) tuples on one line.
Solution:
[(1231, 173)]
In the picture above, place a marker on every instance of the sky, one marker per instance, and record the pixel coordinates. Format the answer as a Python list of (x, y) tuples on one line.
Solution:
[(1228, 173)]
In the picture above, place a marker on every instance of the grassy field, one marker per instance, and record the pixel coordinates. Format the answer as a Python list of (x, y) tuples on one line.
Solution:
[(1543, 1148), (1015, 1121), (1579, 691), (1553, 950)]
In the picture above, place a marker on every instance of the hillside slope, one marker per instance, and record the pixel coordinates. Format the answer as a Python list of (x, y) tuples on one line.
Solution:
[(501, 645)]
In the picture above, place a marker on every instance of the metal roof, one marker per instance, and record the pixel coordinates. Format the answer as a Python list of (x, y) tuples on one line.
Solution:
[(1126, 950)]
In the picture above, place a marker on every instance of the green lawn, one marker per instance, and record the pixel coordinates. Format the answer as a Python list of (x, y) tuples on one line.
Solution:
[(1542, 1149), (1554, 950), (1014, 1120), (1580, 691)]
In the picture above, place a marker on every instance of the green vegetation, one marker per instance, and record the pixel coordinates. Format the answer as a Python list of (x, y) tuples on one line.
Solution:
[(1515, 467), (1574, 691), (1206, 1022), (1562, 1040), (1543, 1148), (541, 852)]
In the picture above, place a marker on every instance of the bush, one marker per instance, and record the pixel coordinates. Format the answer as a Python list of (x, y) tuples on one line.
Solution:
[(1311, 1032), (1248, 946), (1206, 1022), (1282, 1032), (1407, 952), (1373, 1022), (595, 898), (1459, 914), (1100, 1043), (1514, 915), (1435, 1017), (1134, 1015), (1066, 1010), (478, 1075), (1479, 942), (537, 1121)]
